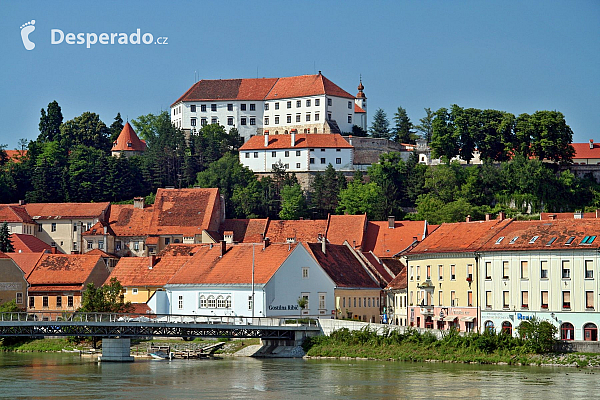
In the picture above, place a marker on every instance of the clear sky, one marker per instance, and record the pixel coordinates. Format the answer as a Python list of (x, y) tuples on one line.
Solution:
[(515, 56)]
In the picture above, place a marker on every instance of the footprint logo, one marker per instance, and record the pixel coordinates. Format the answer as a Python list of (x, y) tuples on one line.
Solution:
[(26, 29)]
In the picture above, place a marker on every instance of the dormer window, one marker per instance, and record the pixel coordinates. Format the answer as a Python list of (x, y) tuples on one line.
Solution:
[(513, 240), (533, 239), (129, 144), (588, 240), (499, 240), (570, 240), (551, 241)]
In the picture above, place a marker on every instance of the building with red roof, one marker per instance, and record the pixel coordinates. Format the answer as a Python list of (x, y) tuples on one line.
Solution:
[(17, 218), (13, 283), (128, 143), (396, 300), (29, 244), (305, 103)]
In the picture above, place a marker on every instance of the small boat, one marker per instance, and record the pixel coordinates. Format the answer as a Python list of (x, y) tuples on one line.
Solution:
[(160, 355)]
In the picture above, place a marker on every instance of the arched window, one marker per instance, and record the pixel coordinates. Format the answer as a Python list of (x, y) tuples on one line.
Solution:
[(202, 303), (507, 327), (489, 326), (590, 332), (228, 302), (220, 302), (286, 132), (212, 303), (567, 331)]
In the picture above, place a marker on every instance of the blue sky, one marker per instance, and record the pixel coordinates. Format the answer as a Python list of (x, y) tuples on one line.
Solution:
[(513, 56)]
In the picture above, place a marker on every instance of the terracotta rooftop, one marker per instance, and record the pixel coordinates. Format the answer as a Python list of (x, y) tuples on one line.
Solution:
[(246, 230), (136, 271), (567, 215), (126, 220), (583, 151), (302, 140), (180, 249), (128, 140), (386, 242), (14, 213), (305, 85), (16, 155), (66, 210), (234, 267), (380, 269), (350, 228), (26, 261), (460, 237), (281, 231), (228, 89), (342, 266), (399, 282), (63, 269), (28, 244)]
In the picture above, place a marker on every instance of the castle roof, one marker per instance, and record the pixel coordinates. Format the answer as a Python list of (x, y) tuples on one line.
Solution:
[(128, 140), (302, 140)]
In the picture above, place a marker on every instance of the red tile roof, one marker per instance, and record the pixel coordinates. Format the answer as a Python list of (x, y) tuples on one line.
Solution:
[(181, 249), (399, 282), (279, 231), (14, 213), (551, 235), (358, 109), (63, 269), (583, 151), (16, 155), (126, 220), (234, 267), (342, 266), (135, 271), (140, 308), (98, 252), (459, 237), (305, 85), (128, 140), (246, 230), (228, 89), (66, 210), (26, 261), (350, 228), (28, 244), (386, 242), (378, 266), (55, 288), (547, 215), (303, 140)]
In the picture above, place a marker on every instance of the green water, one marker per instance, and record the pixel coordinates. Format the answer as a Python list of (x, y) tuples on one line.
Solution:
[(68, 377)]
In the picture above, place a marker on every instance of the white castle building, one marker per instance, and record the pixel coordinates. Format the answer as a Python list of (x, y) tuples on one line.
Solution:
[(306, 103)]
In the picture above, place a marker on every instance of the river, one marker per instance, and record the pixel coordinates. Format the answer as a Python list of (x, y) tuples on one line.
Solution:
[(67, 376)]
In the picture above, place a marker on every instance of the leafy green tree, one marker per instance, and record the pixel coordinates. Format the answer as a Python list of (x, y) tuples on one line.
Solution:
[(358, 131), (107, 298), (360, 198), (426, 125), (437, 211), (325, 189), (9, 306), (403, 132), (381, 125), (390, 175), (551, 137), (116, 127), (445, 140), (6, 245), (495, 139), (293, 203), (539, 336), (48, 175), (50, 123), (86, 129), (87, 175)]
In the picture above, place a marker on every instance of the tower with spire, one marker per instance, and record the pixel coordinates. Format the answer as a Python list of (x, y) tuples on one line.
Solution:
[(360, 106), (128, 143)]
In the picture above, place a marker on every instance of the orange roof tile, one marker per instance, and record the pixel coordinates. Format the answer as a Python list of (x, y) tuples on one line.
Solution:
[(28, 244), (279, 231), (305, 85), (26, 261), (350, 228), (378, 266), (246, 230), (358, 109), (56, 288), (126, 220), (128, 140), (63, 269), (583, 151), (303, 140), (547, 215), (135, 271), (184, 211), (98, 252), (459, 237), (180, 249), (66, 210), (399, 282), (228, 89), (342, 266), (386, 242), (234, 267), (14, 213), (16, 155)]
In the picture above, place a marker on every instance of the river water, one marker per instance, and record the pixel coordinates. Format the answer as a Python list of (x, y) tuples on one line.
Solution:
[(67, 376)]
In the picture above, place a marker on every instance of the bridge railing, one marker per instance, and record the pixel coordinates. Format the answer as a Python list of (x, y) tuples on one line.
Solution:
[(58, 316)]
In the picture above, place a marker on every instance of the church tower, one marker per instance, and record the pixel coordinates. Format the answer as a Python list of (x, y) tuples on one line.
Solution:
[(360, 107)]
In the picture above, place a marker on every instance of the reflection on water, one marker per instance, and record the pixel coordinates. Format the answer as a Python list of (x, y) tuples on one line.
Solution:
[(68, 376)]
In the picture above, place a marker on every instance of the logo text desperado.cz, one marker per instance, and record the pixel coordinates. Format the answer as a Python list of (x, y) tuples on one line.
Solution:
[(57, 36)]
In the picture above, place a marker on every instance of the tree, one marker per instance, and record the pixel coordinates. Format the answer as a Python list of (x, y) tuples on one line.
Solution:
[(107, 298), (539, 336), (9, 306), (496, 138), (325, 188), (6, 245), (551, 137), (360, 198), (50, 123), (293, 203), (426, 126), (116, 127), (381, 125), (445, 141), (358, 131), (390, 175), (86, 129), (403, 132)]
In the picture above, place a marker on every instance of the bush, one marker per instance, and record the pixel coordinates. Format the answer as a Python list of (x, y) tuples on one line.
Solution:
[(539, 336)]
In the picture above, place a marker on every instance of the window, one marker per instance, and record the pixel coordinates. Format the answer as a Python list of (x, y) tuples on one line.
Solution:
[(470, 272), (304, 272), (338, 160), (213, 107), (453, 300), (418, 272), (70, 301), (513, 240), (273, 154), (305, 296), (589, 299), (220, 302), (488, 270), (277, 106), (136, 245), (550, 241), (322, 160), (297, 153), (588, 240), (286, 166), (505, 270), (101, 244), (453, 272), (134, 291), (31, 302), (524, 270), (316, 117), (90, 244), (203, 122), (252, 121), (566, 299), (589, 269), (256, 154), (317, 102), (19, 299), (349, 119), (193, 108), (469, 299), (567, 331), (180, 302), (312, 160), (266, 106), (307, 117), (203, 107), (298, 103), (40, 228), (533, 239), (488, 299), (75, 246), (243, 121), (329, 102), (440, 272), (499, 240), (214, 120), (286, 153), (252, 107), (45, 301), (524, 299), (202, 302), (289, 118), (329, 116), (229, 121), (276, 120), (289, 104), (507, 328), (544, 269), (505, 299), (544, 299), (53, 227), (243, 107), (338, 150), (570, 240), (250, 302), (247, 155), (322, 301), (322, 149), (167, 241), (211, 302), (228, 302), (298, 165), (566, 269), (428, 272), (74, 227), (193, 122), (308, 103)]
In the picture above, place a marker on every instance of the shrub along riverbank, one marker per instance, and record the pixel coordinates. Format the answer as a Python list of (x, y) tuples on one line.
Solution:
[(533, 347)]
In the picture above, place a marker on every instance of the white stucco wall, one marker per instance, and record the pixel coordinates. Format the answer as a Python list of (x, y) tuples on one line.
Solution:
[(264, 160)]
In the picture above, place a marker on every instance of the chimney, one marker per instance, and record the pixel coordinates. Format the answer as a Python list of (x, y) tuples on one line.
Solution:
[(468, 219), (266, 138), (21, 202), (138, 202), (323, 245), (414, 239), (488, 217), (151, 261), (591, 143), (223, 247), (597, 212), (391, 221), (293, 136), (501, 216), (578, 215), (266, 243), (53, 250), (552, 217), (350, 140)]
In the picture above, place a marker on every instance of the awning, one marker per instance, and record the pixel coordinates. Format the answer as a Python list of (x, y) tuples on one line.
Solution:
[(467, 319), (450, 318)]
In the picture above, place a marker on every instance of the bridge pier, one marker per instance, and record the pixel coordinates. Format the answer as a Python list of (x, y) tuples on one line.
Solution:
[(116, 350)]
